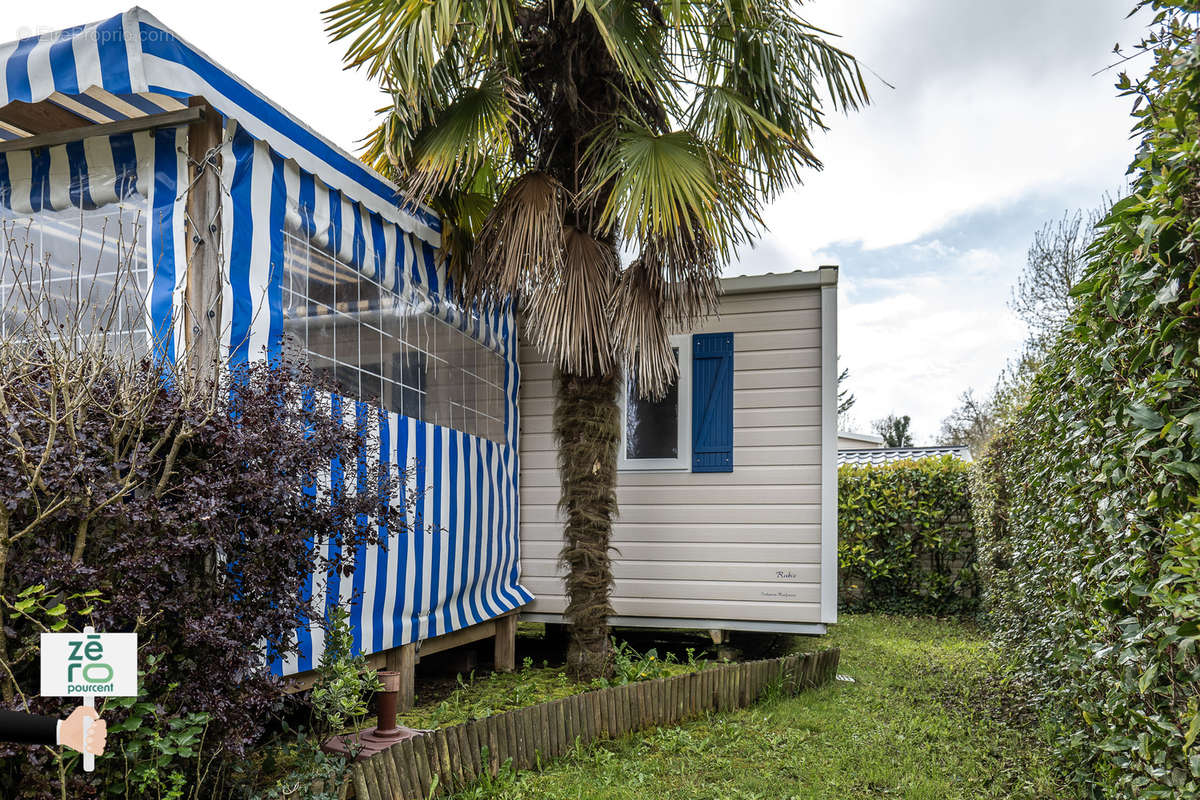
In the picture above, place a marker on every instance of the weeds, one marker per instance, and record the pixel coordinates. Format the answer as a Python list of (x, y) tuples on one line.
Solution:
[(921, 722), (477, 697)]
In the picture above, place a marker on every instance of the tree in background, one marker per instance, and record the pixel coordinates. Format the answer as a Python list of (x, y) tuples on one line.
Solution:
[(552, 136), (846, 401), (1054, 265), (894, 430), (970, 425), (1014, 384)]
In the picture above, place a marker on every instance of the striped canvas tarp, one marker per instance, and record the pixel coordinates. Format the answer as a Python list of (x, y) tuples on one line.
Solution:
[(270, 195), (457, 564)]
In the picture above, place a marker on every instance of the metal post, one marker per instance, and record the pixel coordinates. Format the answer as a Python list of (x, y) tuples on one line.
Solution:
[(89, 760)]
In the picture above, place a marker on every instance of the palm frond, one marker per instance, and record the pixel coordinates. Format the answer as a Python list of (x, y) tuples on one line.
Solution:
[(770, 155), (632, 32), (471, 131), (464, 213), (521, 243), (400, 41), (763, 78), (568, 313), (658, 185), (370, 25), (686, 273), (639, 329)]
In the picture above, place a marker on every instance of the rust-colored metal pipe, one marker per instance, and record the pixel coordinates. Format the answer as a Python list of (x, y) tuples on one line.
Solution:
[(385, 733), (385, 723)]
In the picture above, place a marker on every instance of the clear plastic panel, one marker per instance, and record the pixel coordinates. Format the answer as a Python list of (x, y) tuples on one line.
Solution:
[(78, 274), (387, 348)]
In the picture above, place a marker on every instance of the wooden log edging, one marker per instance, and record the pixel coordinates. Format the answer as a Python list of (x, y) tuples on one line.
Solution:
[(447, 760)]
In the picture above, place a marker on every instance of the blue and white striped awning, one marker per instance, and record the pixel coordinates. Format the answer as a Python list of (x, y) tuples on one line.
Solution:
[(132, 65)]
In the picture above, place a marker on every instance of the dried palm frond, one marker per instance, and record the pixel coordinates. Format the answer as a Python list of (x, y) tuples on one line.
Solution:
[(521, 243), (686, 272), (568, 312), (639, 329)]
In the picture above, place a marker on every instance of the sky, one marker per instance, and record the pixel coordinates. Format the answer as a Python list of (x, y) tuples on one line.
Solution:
[(997, 122), (987, 119)]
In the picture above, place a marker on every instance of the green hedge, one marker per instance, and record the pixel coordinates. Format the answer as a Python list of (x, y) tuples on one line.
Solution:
[(1086, 503), (905, 541)]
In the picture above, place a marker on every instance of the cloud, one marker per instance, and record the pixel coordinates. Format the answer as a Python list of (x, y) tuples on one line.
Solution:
[(929, 197), (991, 102), (936, 323), (913, 345)]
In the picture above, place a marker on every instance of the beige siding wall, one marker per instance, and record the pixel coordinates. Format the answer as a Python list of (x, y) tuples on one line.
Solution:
[(740, 546), (847, 443)]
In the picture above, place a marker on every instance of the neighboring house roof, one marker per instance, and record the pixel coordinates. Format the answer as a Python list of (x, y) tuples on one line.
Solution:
[(864, 438), (887, 455)]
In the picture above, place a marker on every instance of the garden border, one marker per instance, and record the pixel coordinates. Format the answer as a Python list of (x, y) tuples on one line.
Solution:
[(450, 759)]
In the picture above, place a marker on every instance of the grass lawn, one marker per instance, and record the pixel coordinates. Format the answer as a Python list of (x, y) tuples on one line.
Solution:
[(925, 720)]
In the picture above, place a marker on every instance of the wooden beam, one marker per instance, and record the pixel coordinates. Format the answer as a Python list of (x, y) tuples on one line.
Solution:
[(506, 643), (43, 117), (202, 295), (458, 638), (403, 659), (168, 120), (504, 628)]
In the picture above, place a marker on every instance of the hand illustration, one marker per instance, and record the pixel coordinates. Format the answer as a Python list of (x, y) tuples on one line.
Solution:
[(71, 733)]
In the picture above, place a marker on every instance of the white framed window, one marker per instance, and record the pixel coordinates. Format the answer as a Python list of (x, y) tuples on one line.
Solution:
[(657, 434)]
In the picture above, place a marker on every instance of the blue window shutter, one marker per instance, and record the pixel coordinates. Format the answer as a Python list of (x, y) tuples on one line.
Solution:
[(712, 402)]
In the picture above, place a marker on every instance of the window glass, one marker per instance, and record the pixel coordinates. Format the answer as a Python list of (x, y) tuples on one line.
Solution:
[(657, 434), (386, 349), (651, 426)]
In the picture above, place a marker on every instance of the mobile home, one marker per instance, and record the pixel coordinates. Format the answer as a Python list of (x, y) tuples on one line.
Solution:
[(727, 487)]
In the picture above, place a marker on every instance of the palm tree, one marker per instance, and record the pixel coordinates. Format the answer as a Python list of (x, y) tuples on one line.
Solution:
[(554, 137)]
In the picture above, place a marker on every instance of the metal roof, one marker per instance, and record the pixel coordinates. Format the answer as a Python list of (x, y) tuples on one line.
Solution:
[(779, 281), (887, 455)]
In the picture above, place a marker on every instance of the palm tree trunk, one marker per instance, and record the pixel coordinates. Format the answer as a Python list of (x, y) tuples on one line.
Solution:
[(587, 427)]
